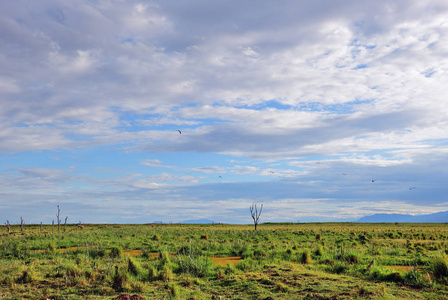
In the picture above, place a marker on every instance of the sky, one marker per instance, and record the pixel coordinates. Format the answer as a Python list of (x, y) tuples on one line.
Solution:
[(165, 111)]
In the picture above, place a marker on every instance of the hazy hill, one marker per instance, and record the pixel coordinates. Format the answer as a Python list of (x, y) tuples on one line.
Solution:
[(198, 221), (441, 217)]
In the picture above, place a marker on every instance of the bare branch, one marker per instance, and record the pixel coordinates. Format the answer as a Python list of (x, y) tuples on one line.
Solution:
[(59, 220), (8, 226), (255, 213)]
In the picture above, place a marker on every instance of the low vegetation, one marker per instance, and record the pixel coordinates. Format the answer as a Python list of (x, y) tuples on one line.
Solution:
[(277, 261)]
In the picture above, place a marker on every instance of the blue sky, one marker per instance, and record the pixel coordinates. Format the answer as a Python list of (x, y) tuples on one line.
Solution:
[(320, 110)]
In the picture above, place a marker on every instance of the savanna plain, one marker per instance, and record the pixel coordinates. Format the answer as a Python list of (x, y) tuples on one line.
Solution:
[(219, 261)]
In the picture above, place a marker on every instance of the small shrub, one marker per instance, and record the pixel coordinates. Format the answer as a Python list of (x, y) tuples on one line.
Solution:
[(166, 274), (133, 267), (339, 268), (7, 280), (281, 287), (204, 237), (415, 279), (153, 274), (246, 265), (51, 249), (394, 277), (352, 258), (319, 251), (199, 266), (137, 287), (174, 290), (220, 273), (439, 267), (119, 280), (25, 277), (305, 257), (156, 237), (116, 252), (97, 253), (164, 258), (259, 253)]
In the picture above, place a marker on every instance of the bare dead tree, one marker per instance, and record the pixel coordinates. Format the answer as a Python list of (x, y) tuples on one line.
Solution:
[(255, 213), (21, 224), (52, 225), (41, 226), (59, 220), (65, 223), (8, 226)]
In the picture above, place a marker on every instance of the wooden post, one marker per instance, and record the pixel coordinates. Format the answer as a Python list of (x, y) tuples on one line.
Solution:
[(65, 223), (21, 224), (59, 220), (8, 226)]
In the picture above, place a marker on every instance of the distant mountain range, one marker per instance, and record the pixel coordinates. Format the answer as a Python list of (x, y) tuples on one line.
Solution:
[(441, 217), (198, 221)]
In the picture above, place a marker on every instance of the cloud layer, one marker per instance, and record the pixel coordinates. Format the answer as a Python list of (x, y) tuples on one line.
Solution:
[(298, 104)]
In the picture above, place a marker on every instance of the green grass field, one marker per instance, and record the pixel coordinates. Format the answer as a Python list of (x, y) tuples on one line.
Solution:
[(278, 261)]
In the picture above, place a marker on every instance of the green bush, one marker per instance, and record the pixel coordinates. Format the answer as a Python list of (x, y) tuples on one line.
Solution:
[(339, 268), (25, 277), (133, 267), (394, 277), (116, 252), (153, 274), (439, 267), (319, 251), (305, 257), (119, 280), (166, 274), (199, 266), (164, 259), (415, 279)]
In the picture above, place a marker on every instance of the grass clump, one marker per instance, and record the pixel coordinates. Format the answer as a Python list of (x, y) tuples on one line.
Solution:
[(119, 280), (199, 266), (25, 277), (133, 267), (305, 257), (116, 252), (439, 268)]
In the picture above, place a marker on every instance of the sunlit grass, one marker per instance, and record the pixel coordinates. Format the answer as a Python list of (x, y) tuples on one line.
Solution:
[(283, 261)]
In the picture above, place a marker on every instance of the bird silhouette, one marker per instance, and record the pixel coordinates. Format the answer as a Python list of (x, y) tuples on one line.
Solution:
[(412, 188), (180, 132)]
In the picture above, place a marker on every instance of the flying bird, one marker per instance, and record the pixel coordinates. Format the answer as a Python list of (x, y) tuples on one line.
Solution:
[(373, 180), (412, 188), (180, 132), (344, 174)]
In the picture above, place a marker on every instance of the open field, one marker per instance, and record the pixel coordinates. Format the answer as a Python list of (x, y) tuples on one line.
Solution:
[(278, 261)]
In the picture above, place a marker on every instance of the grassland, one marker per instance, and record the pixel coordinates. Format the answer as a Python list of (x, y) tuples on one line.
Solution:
[(278, 261)]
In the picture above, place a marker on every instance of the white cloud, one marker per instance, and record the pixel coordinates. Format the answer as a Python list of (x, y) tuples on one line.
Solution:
[(351, 84)]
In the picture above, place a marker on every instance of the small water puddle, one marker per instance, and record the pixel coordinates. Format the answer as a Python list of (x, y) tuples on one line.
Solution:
[(223, 261)]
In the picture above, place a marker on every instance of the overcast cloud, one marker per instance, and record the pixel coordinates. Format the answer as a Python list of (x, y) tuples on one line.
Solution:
[(142, 111)]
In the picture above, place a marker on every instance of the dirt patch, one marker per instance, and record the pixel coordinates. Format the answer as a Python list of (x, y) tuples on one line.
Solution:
[(223, 261)]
